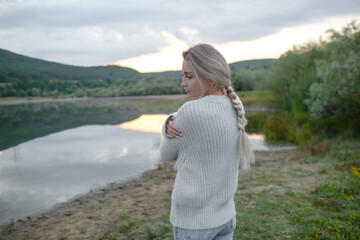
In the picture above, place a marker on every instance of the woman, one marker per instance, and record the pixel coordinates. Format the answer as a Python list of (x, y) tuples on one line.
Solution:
[(207, 138)]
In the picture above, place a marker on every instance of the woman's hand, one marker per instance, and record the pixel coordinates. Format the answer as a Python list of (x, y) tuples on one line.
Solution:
[(171, 130)]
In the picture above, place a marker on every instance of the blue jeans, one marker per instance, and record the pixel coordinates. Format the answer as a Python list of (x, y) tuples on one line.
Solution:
[(224, 232)]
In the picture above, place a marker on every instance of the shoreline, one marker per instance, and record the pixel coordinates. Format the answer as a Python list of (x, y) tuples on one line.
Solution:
[(95, 214), (69, 99), (80, 198), (91, 207), (94, 192), (8, 102)]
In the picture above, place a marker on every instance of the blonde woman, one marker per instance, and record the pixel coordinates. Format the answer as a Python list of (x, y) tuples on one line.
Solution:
[(207, 138)]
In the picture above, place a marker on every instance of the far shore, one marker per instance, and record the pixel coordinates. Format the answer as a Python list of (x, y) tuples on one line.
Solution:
[(15, 101), (18, 101)]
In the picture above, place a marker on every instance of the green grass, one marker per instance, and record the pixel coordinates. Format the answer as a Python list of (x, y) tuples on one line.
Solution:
[(154, 227), (317, 215), (331, 211), (281, 211)]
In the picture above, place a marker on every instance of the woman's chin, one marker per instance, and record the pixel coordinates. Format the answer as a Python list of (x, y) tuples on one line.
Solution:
[(191, 96)]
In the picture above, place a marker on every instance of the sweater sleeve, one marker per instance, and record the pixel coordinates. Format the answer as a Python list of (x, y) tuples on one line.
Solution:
[(185, 120), (169, 147)]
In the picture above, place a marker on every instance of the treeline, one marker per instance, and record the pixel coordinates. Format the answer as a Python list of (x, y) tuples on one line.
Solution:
[(316, 86), (92, 88), (22, 76), (251, 78)]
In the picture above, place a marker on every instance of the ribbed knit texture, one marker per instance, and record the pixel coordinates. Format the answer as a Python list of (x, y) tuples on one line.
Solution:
[(206, 163)]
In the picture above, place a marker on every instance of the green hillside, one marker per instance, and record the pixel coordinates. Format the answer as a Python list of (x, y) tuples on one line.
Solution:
[(251, 63), (165, 74), (234, 67), (22, 76), (17, 67)]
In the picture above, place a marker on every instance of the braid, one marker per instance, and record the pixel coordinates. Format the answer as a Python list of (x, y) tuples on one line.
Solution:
[(242, 122), (246, 154)]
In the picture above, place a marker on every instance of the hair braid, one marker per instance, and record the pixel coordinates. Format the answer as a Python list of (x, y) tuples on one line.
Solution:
[(242, 122), (246, 154)]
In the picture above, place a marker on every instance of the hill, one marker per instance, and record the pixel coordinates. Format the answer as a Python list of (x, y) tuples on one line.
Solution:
[(251, 63), (22, 76), (233, 66), (18, 67)]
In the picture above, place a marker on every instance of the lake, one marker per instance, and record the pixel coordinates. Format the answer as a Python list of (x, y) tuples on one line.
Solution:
[(53, 151)]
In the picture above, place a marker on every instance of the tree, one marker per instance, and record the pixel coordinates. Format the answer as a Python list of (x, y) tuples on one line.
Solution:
[(293, 74), (338, 91)]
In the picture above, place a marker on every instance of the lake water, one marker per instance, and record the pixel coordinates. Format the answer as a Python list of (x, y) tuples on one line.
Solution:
[(54, 151)]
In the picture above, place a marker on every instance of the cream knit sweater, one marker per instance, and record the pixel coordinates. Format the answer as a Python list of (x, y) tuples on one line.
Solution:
[(207, 163)]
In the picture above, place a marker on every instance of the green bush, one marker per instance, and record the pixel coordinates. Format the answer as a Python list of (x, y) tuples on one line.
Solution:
[(338, 91), (319, 80)]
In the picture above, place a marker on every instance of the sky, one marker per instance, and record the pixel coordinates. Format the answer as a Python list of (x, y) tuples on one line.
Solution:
[(150, 35)]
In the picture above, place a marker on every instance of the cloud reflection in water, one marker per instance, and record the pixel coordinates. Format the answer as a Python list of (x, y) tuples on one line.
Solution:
[(39, 173)]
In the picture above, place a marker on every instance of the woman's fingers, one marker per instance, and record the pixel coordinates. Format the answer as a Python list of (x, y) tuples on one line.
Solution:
[(172, 130), (173, 127)]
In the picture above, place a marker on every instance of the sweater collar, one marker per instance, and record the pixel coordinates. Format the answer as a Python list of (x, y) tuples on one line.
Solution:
[(215, 98)]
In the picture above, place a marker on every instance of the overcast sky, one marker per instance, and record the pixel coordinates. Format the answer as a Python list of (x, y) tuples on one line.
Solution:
[(151, 34)]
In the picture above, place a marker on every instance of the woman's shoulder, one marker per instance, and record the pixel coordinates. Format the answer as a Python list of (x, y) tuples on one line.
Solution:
[(190, 106), (205, 102)]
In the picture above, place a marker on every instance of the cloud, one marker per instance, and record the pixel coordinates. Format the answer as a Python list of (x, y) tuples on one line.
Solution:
[(98, 32)]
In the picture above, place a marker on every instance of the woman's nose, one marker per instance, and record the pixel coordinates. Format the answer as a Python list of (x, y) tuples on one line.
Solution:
[(183, 84)]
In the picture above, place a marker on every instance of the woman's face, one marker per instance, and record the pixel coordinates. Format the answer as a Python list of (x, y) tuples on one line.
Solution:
[(191, 85)]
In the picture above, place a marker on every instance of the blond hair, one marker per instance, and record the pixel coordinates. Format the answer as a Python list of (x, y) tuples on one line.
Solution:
[(208, 62)]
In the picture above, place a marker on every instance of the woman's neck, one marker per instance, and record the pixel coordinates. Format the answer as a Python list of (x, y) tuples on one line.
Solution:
[(215, 91)]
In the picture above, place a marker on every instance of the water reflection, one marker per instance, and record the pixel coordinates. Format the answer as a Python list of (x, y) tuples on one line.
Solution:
[(146, 123), (23, 122), (258, 143), (39, 173)]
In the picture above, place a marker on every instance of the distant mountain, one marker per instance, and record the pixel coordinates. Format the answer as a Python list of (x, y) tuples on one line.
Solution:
[(251, 63), (233, 66), (18, 67), (165, 74)]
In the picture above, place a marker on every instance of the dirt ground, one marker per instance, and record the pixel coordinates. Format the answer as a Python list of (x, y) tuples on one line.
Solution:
[(92, 215)]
